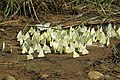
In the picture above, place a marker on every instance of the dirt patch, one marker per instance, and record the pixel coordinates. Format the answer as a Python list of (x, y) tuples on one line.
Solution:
[(54, 66)]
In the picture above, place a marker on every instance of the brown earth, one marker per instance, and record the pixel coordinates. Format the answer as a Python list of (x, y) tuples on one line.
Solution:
[(56, 67)]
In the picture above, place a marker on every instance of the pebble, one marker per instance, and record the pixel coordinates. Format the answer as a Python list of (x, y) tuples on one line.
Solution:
[(8, 78), (44, 76), (95, 75)]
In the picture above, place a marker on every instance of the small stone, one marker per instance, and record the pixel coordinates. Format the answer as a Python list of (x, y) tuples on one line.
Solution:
[(118, 76), (8, 78), (95, 75), (44, 76), (2, 30)]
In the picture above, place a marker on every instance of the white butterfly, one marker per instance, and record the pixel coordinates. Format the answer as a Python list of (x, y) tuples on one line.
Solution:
[(25, 48), (110, 31), (75, 54), (68, 49), (101, 29), (28, 41), (60, 48), (89, 42), (54, 45), (118, 32), (26, 36), (94, 38), (47, 25), (98, 34), (102, 38), (30, 56), (108, 42), (53, 35), (35, 46), (36, 37), (40, 50), (31, 31), (31, 50), (46, 49), (82, 49), (3, 45), (20, 37), (75, 45), (43, 27)]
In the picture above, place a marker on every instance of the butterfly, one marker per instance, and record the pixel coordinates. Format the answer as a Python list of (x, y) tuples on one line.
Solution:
[(75, 54), (31, 50), (3, 46), (46, 49), (118, 32), (30, 56), (43, 26), (82, 49), (40, 50), (110, 31), (25, 48)]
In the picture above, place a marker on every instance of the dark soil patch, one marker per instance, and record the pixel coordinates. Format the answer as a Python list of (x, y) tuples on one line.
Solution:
[(56, 67)]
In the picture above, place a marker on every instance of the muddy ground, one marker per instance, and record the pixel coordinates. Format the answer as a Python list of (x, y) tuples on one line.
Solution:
[(56, 67)]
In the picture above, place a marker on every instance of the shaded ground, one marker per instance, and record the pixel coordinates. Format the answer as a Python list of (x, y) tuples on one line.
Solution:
[(56, 67)]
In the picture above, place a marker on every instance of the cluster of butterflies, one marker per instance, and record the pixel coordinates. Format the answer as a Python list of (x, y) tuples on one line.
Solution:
[(74, 40)]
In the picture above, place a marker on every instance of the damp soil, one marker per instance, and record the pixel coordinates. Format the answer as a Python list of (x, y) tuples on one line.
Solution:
[(105, 60)]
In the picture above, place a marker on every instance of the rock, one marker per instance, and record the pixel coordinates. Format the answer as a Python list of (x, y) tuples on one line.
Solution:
[(44, 76), (118, 76), (8, 78), (95, 75)]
